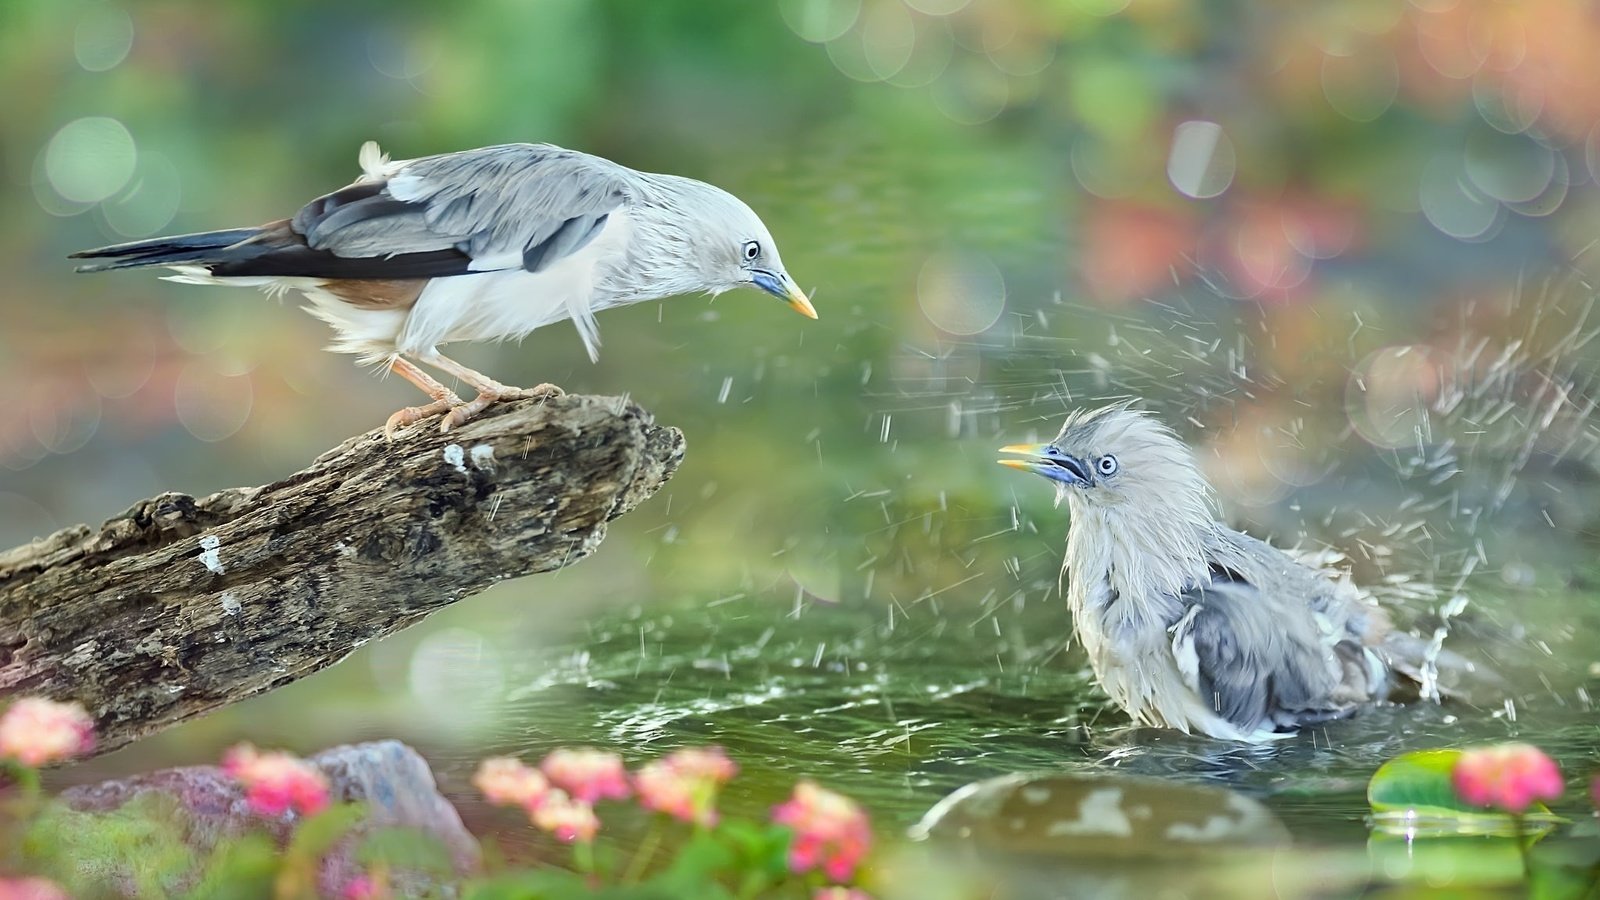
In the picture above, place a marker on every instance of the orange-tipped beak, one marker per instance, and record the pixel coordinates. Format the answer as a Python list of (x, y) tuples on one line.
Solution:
[(799, 302), (1034, 452)]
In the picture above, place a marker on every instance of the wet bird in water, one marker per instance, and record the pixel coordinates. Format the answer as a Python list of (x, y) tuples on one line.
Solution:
[(1190, 624), (481, 245)]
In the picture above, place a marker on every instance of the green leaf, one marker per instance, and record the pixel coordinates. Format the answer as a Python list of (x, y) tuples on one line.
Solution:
[(703, 855), (242, 869), (405, 848), (1412, 794)]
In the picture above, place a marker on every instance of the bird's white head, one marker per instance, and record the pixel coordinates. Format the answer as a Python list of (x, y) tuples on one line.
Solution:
[(1125, 469), (729, 246)]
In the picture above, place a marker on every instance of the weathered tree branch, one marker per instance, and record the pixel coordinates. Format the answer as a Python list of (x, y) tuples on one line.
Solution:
[(179, 606)]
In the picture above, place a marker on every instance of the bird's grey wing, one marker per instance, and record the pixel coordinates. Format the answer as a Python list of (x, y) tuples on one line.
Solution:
[(503, 207), (1253, 658)]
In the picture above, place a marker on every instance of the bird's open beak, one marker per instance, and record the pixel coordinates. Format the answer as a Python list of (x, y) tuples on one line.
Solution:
[(780, 285), (1057, 467)]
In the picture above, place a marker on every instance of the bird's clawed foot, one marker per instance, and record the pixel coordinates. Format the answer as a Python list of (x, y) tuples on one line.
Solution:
[(411, 415), (457, 412), (465, 412)]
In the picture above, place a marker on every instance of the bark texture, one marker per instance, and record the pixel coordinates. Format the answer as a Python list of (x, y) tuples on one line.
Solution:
[(181, 605)]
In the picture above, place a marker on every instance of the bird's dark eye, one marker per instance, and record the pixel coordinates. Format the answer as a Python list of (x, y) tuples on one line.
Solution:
[(1107, 465), (752, 249)]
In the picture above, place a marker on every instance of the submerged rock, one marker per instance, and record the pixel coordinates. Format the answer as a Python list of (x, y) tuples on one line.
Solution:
[(1105, 835), (1100, 817)]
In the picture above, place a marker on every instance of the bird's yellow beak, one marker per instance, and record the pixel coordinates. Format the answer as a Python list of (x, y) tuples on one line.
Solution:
[(1033, 451), (799, 302), (780, 285)]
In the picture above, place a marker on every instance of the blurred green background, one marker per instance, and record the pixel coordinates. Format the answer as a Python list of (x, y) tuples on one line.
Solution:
[(1328, 239)]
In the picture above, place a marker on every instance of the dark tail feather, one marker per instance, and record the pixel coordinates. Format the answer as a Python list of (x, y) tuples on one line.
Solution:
[(165, 251)]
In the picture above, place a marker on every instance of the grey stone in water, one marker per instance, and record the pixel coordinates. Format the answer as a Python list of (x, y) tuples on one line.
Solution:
[(1112, 836), (1103, 817), (392, 780)]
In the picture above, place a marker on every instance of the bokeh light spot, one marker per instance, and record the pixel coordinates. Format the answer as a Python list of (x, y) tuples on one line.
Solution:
[(90, 159), (1202, 160), (819, 21), (1362, 85), (151, 200), (63, 418), (399, 55), (1452, 204), (848, 53), (938, 7), (452, 668), (1099, 7), (971, 92), (1113, 97), (888, 36), (1100, 170), (103, 38), (961, 294), (22, 519), (1510, 168), (1511, 114), (212, 407), (1388, 394), (930, 55), (1554, 195)]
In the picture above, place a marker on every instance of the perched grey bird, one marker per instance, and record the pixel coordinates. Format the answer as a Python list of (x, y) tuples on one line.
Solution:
[(480, 245), (1190, 624)]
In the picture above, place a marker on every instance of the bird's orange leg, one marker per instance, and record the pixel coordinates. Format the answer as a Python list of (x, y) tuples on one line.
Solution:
[(489, 391), (444, 399)]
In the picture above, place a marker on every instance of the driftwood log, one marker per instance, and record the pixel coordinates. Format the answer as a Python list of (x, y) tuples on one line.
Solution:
[(181, 605)]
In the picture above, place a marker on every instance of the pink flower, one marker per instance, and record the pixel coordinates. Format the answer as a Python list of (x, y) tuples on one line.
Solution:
[(588, 775), (710, 763), (35, 731), (505, 781), (684, 784), (830, 831), (568, 819), (277, 782), (1509, 777), (840, 893), (31, 889)]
